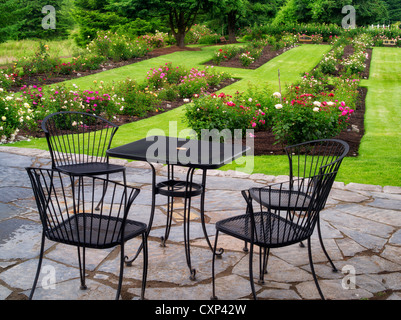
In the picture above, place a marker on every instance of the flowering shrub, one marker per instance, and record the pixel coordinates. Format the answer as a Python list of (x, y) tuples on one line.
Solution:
[(308, 111), (356, 62), (250, 110), (40, 62), (7, 80), (165, 74), (88, 61), (287, 40), (246, 59), (329, 63), (225, 54), (14, 115), (317, 38), (306, 119), (249, 53), (201, 34), (195, 82), (118, 47), (65, 68), (157, 40), (134, 101), (188, 82)]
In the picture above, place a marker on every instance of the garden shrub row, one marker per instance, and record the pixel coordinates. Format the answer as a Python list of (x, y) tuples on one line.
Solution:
[(333, 61), (294, 118), (26, 110), (106, 46), (318, 106), (324, 31), (252, 51)]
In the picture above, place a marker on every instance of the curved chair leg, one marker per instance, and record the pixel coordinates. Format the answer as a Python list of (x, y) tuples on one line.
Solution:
[(214, 297), (120, 278), (145, 264), (170, 209), (313, 270), (323, 247), (263, 259), (82, 267), (42, 246), (251, 271)]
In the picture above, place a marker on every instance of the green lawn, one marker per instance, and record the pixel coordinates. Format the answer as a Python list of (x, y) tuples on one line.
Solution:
[(380, 151), (15, 50), (379, 161)]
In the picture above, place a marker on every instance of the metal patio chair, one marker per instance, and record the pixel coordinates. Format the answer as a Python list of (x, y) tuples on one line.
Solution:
[(66, 205), (306, 160), (313, 169), (78, 143), (284, 217)]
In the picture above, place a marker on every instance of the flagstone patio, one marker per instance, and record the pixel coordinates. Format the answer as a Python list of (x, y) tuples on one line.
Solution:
[(361, 226)]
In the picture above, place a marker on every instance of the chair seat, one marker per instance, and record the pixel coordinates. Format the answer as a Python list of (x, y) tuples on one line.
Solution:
[(270, 229), (98, 230), (90, 169), (281, 199)]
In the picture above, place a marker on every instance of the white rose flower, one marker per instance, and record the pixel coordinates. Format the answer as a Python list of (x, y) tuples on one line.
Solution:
[(316, 109), (317, 103), (277, 95), (278, 106)]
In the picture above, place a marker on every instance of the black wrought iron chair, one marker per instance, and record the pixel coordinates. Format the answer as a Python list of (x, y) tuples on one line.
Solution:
[(283, 217), (78, 143), (66, 205), (293, 207), (306, 160)]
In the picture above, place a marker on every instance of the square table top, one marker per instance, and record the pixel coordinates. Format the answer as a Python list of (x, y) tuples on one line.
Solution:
[(179, 151)]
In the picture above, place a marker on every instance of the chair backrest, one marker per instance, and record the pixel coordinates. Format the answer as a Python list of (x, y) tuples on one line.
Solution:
[(309, 159), (67, 207), (76, 137), (295, 218)]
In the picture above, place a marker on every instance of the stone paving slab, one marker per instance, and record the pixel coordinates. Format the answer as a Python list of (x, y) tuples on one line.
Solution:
[(361, 227)]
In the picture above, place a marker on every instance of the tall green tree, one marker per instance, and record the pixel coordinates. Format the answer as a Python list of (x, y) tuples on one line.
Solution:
[(11, 19), (231, 15), (92, 16), (21, 19), (233, 9), (180, 15), (394, 10), (330, 11)]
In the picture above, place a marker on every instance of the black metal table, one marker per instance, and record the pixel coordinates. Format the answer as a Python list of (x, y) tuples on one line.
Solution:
[(193, 154)]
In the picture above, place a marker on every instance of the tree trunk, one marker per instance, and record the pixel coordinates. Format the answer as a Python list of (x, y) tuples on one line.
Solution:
[(180, 23), (232, 20), (180, 39)]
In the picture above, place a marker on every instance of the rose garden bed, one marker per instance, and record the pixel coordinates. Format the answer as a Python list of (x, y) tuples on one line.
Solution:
[(264, 141)]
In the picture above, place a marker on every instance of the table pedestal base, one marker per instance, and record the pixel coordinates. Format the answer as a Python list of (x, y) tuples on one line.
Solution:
[(179, 189)]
